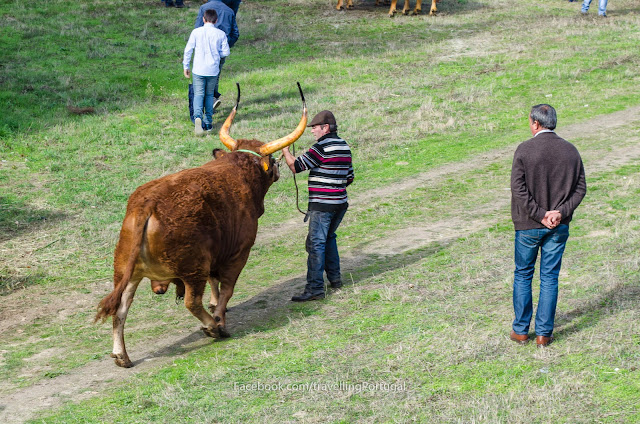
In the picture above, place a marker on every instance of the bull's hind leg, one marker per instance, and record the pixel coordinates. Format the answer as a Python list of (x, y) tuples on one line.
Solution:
[(193, 302), (119, 352), (215, 294)]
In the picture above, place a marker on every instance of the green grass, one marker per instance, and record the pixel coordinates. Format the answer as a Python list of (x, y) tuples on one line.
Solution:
[(411, 94)]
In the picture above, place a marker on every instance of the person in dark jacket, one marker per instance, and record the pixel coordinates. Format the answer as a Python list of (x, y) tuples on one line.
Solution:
[(547, 185)]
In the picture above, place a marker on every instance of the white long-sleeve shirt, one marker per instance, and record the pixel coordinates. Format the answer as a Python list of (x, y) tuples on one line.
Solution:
[(210, 45)]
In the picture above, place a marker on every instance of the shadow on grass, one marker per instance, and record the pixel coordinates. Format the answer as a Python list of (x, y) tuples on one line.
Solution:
[(593, 310), (11, 283), (17, 218), (273, 308)]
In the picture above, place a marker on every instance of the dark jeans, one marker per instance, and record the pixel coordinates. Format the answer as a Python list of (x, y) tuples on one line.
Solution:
[(551, 243), (323, 249)]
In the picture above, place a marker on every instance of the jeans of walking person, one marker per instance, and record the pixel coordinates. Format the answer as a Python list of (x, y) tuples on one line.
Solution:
[(602, 6), (203, 88), (551, 243), (322, 248)]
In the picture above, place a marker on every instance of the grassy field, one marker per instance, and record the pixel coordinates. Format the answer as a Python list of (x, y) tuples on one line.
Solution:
[(433, 108)]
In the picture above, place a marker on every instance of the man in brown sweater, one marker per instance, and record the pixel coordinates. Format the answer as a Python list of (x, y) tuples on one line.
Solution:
[(547, 185)]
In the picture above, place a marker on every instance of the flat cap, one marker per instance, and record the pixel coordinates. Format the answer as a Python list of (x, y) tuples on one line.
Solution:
[(324, 117)]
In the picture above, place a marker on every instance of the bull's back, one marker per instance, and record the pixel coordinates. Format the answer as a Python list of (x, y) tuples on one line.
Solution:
[(198, 217)]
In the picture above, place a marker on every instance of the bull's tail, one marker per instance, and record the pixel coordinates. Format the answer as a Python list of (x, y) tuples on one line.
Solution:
[(110, 304)]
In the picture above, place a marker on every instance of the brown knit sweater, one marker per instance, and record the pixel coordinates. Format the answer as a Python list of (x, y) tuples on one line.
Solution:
[(547, 174)]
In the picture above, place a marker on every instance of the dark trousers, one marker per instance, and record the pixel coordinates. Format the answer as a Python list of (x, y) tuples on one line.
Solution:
[(323, 249)]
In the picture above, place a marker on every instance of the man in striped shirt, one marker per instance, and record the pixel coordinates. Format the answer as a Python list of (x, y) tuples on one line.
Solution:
[(330, 172)]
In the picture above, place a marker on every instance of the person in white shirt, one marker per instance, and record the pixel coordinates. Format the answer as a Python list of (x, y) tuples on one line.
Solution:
[(210, 45)]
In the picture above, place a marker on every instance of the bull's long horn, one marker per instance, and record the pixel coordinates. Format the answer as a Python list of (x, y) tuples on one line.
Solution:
[(224, 131), (281, 143)]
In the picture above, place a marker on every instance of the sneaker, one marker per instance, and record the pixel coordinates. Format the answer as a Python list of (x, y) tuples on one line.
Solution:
[(208, 127), (216, 103), (198, 127)]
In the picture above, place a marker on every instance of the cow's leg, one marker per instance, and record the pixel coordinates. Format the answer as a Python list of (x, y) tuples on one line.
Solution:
[(194, 290), (119, 352), (418, 8), (392, 8), (228, 278), (215, 294), (339, 6), (434, 8), (405, 9), (349, 4)]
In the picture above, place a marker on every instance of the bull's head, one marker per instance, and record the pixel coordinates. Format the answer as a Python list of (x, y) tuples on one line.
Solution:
[(265, 150)]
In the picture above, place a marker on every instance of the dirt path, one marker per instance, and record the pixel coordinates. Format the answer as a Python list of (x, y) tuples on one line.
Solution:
[(91, 379)]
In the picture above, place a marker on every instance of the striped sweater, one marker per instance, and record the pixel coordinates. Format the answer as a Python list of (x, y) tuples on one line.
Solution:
[(330, 172)]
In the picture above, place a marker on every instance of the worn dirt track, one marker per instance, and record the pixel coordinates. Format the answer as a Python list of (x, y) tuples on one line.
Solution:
[(93, 378)]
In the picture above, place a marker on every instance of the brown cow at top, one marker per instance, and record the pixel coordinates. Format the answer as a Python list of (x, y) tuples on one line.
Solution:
[(195, 226), (348, 4)]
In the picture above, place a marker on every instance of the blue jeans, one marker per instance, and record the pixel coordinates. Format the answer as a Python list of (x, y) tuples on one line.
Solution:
[(203, 88), (552, 244), (602, 6), (323, 249)]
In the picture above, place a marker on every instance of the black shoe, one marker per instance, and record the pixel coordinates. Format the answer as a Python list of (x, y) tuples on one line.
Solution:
[(336, 284), (167, 4), (306, 296), (179, 5)]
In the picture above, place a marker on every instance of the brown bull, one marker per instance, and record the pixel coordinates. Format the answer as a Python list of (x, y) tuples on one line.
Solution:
[(194, 226)]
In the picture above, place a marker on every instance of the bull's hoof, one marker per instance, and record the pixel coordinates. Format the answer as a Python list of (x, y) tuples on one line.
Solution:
[(350, 7), (211, 332), (433, 12), (416, 12), (338, 8), (392, 13), (223, 332), (179, 299), (219, 332), (122, 360)]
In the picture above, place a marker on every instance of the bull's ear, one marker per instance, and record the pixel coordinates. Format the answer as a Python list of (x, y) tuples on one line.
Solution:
[(218, 153), (265, 163)]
